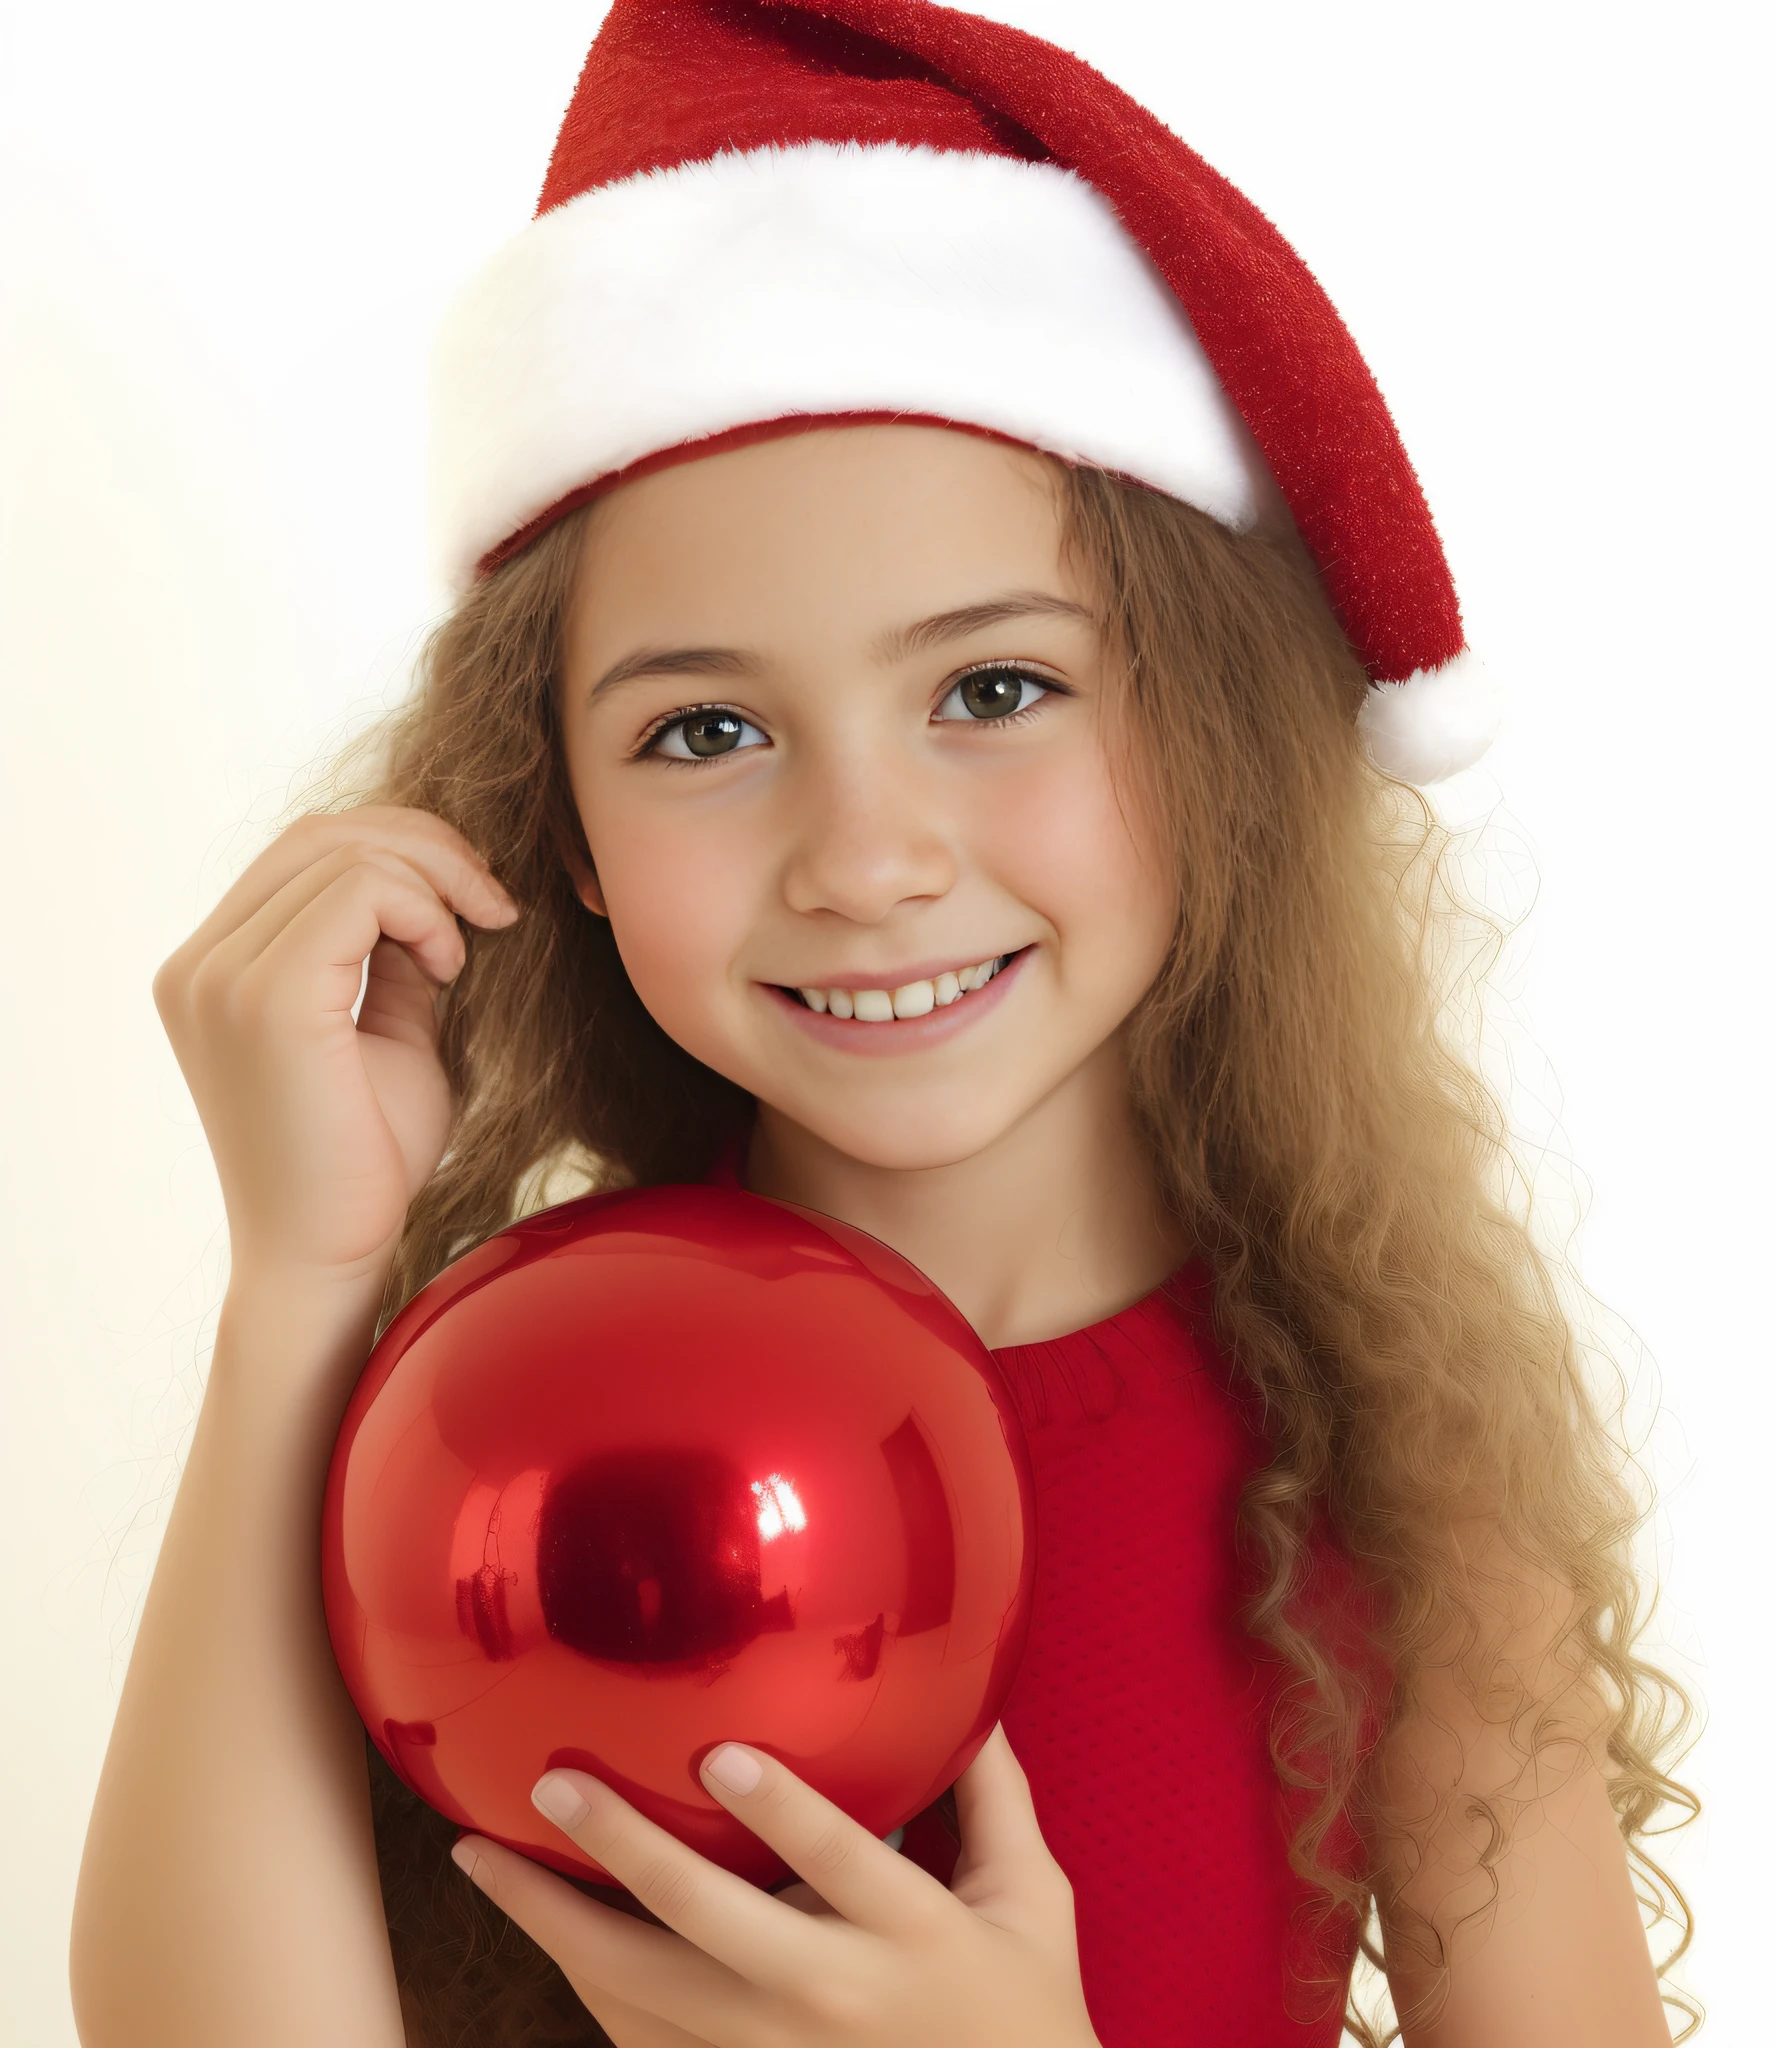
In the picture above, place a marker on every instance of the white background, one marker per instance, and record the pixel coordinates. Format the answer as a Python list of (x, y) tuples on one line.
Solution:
[(229, 231)]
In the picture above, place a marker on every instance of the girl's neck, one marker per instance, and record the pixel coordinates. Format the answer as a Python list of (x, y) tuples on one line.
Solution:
[(1053, 1227)]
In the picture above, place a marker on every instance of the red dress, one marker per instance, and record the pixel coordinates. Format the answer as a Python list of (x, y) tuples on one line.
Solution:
[(1140, 1711)]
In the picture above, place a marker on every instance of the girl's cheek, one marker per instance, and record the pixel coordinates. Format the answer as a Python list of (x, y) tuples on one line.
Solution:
[(679, 911), (1067, 844)]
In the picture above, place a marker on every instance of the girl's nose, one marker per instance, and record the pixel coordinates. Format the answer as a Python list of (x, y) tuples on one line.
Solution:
[(867, 840)]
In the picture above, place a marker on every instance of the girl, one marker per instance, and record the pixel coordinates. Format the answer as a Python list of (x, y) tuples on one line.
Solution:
[(933, 564)]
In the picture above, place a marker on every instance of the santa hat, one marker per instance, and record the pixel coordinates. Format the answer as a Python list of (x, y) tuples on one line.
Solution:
[(760, 214)]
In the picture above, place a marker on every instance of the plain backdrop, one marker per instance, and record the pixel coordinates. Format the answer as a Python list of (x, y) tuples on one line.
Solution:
[(228, 234)]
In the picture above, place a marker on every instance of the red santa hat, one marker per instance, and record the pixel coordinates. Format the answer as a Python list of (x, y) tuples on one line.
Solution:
[(760, 214)]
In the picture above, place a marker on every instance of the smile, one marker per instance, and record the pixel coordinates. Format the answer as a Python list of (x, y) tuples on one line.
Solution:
[(917, 1015), (911, 999)]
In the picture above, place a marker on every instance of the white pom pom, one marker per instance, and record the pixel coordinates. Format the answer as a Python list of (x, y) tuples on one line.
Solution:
[(1435, 723)]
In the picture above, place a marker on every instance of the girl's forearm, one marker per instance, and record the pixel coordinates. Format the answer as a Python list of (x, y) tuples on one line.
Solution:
[(228, 1891)]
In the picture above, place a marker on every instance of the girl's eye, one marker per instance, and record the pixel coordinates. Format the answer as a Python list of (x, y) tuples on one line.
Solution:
[(701, 735), (988, 693)]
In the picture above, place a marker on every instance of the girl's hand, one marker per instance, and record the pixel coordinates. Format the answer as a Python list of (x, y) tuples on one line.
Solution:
[(892, 1958), (324, 1129)]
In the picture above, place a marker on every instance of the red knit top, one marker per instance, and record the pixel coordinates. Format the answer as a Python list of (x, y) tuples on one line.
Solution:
[(1140, 1711)]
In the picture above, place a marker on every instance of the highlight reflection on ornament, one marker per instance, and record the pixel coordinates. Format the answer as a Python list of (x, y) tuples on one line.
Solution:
[(669, 1467)]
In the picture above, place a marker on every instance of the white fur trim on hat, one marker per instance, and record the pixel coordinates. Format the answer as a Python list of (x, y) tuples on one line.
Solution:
[(824, 278), (1435, 723)]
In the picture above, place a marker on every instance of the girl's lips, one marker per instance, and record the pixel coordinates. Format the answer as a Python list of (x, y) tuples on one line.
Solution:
[(901, 1034)]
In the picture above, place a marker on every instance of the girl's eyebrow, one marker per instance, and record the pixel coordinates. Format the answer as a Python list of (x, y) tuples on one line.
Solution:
[(674, 661), (972, 618), (894, 645)]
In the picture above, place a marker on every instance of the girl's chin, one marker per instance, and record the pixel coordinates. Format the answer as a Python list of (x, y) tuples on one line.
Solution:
[(901, 1139)]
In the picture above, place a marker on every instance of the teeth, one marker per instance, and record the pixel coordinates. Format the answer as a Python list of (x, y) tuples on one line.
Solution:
[(916, 999)]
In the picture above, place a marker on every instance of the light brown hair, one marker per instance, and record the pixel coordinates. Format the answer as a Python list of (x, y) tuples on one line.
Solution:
[(1312, 1124)]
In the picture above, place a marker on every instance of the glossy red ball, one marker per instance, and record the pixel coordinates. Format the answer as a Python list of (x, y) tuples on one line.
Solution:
[(659, 1469)]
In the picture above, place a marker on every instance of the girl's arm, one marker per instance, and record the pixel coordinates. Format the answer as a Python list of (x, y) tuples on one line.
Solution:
[(228, 1892), (1545, 1944)]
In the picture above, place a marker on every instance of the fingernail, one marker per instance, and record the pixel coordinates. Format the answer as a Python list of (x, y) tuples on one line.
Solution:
[(731, 1766), (557, 1797), (465, 1859)]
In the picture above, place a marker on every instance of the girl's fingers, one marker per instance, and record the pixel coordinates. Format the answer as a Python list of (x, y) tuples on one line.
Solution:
[(769, 1943), (995, 1813), (447, 861), (1006, 1872), (861, 1878), (320, 927), (600, 1949), (399, 1001), (629, 2027)]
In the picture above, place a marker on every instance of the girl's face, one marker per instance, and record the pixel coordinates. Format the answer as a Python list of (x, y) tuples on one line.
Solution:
[(839, 721)]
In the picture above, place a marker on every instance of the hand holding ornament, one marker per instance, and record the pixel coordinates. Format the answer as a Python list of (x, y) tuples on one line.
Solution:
[(871, 1952)]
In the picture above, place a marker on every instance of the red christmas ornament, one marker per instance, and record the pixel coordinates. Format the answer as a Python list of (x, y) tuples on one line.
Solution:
[(659, 1469)]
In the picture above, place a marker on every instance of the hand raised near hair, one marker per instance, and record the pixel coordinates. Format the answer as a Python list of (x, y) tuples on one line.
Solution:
[(879, 1954), (325, 1128)]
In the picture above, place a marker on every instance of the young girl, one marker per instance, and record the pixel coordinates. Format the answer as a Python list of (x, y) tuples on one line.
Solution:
[(938, 586)]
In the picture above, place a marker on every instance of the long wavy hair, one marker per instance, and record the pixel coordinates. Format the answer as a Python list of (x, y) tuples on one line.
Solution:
[(1312, 1119)]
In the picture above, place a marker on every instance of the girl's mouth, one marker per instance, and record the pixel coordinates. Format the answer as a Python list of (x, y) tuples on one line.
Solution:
[(914, 999), (904, 1019)]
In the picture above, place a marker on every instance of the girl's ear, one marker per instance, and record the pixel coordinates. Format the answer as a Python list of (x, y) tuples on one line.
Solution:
[(585, 881), (569, 834), (581, 872)]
